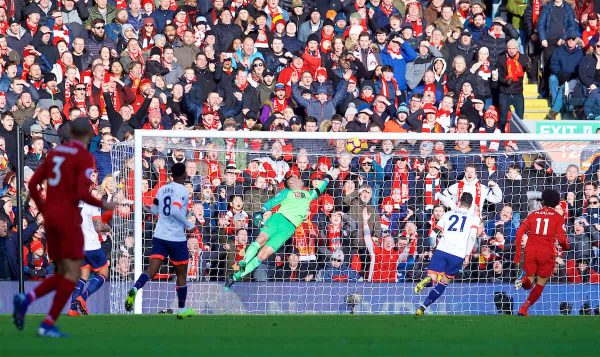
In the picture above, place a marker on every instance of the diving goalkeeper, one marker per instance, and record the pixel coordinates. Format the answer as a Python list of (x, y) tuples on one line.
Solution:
[(279, 227)]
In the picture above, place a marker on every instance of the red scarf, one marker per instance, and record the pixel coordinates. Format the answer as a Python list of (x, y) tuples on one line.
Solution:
[(461, 186), (33, 28), (137, 56), (417, 25), (3, 27), (387, 11), (60, 33), (400, 181), (262, 40), (242, 87), (514, 70), (279, 106), (334, 235), (368, 99), (385, 90), (494, 144), (149, 127), (461, 101), (432, 128), (484, 70), (432, 190), (444, 118), (216, 124), (233, 7), (81, 104), (116, 101), (326, 42), (182, 26), (537, 7), (95, 126)]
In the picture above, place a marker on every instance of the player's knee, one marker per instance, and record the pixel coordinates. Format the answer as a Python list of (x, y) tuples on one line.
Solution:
[(263, 254), (262, 238)]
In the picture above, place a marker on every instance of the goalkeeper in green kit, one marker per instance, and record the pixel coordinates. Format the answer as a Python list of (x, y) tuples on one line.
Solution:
[(280, 226)]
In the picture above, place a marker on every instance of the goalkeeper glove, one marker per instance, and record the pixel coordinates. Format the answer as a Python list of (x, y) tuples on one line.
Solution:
[(332, 174), (257, 218)]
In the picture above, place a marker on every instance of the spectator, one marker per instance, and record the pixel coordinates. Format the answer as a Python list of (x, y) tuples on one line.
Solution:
[(470, 183), (337, 271), (563, 68), (503, 222), (512, 68)]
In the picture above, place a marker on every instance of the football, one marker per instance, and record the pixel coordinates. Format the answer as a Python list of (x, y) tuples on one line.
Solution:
[(355, 145)]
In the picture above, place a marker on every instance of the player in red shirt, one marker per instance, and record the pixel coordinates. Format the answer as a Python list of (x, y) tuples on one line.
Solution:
[(542, 228), (67, 171)]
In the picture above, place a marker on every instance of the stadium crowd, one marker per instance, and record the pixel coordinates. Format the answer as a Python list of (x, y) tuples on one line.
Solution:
[(277, 65)]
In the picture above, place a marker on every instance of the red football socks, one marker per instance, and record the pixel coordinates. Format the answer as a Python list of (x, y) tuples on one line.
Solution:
[(526, 283), (63, 293), (46, 286), (535, 294)]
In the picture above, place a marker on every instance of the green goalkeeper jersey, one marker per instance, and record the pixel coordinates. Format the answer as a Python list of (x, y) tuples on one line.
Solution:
[(295, 204)]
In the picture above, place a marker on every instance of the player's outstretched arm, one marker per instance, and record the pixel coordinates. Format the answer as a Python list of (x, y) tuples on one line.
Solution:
[(331, 175), (267, 206)]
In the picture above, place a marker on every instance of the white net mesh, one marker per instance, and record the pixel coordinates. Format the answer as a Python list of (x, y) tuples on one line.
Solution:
[(365, 242)]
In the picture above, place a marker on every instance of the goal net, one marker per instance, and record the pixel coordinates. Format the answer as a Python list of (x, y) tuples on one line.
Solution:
[(366, 240)]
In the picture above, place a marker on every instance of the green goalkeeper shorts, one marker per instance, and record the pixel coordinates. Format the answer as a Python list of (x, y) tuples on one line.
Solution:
[(279, 229)]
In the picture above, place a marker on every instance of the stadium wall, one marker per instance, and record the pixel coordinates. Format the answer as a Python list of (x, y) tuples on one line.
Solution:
[(328, 298)]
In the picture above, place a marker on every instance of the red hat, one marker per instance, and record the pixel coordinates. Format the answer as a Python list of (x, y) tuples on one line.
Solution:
[(363, 159), (387, 201), (325, 161), (321, 71), (402, 152), (294, 171), (35, 245), (352, 80), (429, 108), (491, 113), (429, 87), (317, 175), (28, 52), (145, 82), (280, 20), (592, 16), (2, 94), (144, 2), (326, 198)]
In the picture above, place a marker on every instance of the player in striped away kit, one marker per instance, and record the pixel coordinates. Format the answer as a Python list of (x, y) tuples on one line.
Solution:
[(459, 230), (542, 227), (279, 227), (170, 238)]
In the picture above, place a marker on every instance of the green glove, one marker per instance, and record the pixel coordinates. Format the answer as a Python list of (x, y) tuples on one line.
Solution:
[(257, 219)]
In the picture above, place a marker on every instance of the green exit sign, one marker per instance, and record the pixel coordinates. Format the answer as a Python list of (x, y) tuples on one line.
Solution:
[(566, 127)]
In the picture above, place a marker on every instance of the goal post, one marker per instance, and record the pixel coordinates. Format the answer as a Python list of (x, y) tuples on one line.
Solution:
[(412, 193)]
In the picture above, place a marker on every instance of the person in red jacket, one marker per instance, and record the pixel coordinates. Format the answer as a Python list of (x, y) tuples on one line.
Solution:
[(542, 227), (386, 261)]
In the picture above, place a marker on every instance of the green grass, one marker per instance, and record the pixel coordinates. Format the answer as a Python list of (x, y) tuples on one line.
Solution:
[(287, 335)]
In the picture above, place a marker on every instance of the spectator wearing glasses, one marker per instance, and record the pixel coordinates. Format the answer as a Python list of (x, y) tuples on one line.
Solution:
[(97, 37), (337, 271)]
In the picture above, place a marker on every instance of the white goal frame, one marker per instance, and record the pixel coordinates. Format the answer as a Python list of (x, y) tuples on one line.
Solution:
[(142, 134)]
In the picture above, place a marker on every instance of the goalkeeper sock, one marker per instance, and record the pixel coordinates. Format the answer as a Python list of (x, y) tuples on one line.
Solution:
[(94, 285), (253, 264), (141, 281), (78, 287), (181, 295), (535, 294), (434, 294), (251, 251), (526, 283)]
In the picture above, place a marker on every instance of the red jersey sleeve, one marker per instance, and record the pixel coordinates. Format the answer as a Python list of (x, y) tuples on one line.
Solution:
[(84, 182), (559, 222)]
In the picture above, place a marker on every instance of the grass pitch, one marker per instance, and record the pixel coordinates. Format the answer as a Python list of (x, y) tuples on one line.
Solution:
[(313, 335)]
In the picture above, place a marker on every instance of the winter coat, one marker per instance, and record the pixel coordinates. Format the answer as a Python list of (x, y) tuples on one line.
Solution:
[(314, 108), (399, 64), (545, 21)]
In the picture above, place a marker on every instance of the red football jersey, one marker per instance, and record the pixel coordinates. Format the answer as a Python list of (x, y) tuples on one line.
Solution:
[(68, 169), (542, 227)]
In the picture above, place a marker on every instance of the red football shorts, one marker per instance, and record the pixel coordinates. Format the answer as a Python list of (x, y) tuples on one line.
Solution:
[(64, 237), (540, 263)]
